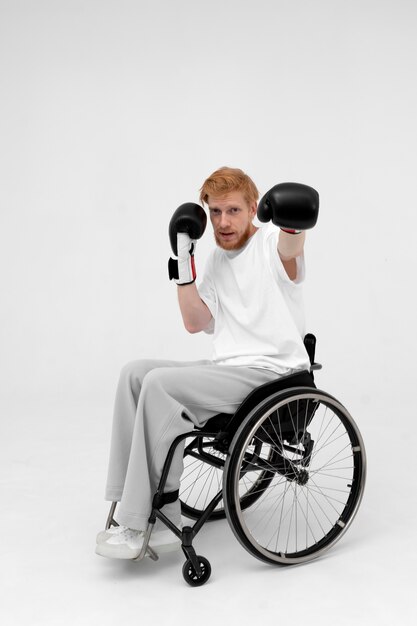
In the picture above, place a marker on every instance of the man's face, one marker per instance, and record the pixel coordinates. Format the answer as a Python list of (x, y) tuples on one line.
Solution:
[(231, 217)]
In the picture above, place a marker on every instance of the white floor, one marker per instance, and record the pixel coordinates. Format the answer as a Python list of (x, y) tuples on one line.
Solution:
[(53, 466)]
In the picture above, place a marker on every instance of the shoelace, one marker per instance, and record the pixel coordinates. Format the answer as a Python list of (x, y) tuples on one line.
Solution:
[(131, 533), (115, 530)]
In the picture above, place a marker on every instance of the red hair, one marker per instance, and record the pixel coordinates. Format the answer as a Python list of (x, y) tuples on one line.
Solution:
[(227, 179)]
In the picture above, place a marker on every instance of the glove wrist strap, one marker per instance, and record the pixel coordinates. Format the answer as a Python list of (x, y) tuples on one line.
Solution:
[(183, 273), (291, 231)]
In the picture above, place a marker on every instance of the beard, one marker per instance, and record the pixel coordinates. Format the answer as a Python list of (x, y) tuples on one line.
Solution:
[(236, 243)]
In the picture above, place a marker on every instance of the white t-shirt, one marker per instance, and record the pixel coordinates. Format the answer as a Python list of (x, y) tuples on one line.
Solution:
[(257, 309)]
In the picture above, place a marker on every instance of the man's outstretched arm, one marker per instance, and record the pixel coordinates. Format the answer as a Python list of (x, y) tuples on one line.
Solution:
[(294, 208), (290, 246)]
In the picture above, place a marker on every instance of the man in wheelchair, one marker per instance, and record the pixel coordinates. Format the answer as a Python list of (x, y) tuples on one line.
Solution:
[(250, 301)]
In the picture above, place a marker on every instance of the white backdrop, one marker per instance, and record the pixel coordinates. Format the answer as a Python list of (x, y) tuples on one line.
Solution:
[(113, 113)]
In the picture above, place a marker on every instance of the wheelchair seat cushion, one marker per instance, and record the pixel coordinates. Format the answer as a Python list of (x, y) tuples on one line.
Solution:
[(229, 423)]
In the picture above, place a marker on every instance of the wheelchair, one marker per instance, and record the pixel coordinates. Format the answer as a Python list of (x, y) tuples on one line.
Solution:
[(287, 470)]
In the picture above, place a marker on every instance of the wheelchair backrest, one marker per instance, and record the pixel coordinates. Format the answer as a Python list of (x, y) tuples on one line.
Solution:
[(300, 379), (229, 424)]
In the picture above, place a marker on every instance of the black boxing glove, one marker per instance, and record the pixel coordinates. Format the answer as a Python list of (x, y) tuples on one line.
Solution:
[(186, 226), (291, 206)]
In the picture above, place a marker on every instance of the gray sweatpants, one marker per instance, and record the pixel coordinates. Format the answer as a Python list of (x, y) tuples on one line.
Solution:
[(151, 400)]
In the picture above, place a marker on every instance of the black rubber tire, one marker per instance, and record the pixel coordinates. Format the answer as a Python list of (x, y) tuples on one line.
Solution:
[(190, 575), (302, 513)]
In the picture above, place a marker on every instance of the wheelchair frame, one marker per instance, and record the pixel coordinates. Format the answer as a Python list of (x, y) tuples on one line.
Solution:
[(265, 438)]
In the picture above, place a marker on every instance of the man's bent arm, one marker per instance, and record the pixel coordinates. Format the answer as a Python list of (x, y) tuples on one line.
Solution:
[(195, 313)]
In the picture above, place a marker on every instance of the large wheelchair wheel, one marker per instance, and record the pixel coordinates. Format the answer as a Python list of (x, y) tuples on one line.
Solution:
[(202, 479), (313, 449)]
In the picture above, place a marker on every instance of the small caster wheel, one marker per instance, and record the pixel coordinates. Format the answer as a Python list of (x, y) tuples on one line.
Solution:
[(190, 574)]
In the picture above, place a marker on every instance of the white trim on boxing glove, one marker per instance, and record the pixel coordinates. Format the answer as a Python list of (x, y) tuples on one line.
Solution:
[(182, 269)]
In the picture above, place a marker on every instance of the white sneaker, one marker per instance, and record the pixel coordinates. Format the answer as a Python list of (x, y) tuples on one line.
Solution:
[(126, 543), (103, 535)]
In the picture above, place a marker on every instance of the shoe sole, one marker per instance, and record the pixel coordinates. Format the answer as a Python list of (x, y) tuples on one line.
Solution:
[(124, 552), (103, 535), (116, 552)]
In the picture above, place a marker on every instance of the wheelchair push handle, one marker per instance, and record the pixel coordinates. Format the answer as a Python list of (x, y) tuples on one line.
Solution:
[(310, 346)]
